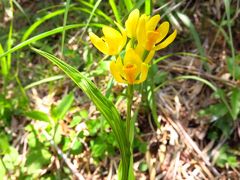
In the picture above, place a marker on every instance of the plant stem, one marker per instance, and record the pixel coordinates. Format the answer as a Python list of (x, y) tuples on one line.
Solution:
[(129, 107), (153, 104), (130, 130)]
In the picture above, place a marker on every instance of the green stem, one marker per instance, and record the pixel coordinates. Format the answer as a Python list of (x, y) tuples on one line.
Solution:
[(4, 165), (153, 104), (129, 107), (130, 131)]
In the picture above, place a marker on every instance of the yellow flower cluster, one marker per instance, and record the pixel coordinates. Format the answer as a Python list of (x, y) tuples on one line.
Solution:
[(145, 37)]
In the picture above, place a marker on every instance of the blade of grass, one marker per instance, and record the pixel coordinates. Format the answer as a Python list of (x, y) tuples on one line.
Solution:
[(202, 58), (9, 42), (22, 10), (115, 11), (44, 35), (148, 7), (4, 66), (105, 106), (90, 17), (227, 8), (64, 24), (214, 88), (39, 22), (98, 11), (53, 78), (128, 4), (187, 22)]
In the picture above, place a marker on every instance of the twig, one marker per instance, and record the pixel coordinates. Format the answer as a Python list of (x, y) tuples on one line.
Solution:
[(64, 157), (189, 142), (195, 72)]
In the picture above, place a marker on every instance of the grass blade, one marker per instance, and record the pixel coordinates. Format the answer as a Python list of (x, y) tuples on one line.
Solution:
[(105, 106), (53, 78), (97, 11), (9, 42), (44, 35), (187, 22), (4, 66), (115, 11), (128, 4), (64, 24), (148, 7), (39, 22)]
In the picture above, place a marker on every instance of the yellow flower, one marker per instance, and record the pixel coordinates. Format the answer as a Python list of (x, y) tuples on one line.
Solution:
[(150, 37), (130, 70), (112, 42), (131, 23)]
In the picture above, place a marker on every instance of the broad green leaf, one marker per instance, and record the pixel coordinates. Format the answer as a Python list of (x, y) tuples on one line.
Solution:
[(36, 159), (4, 144), (106, 107), (11, 159), (62, 108), (143, 166), (37, 115), (76, 120), (235, 102)]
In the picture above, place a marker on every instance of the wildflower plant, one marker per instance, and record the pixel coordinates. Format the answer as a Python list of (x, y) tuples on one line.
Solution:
[(133, 48)]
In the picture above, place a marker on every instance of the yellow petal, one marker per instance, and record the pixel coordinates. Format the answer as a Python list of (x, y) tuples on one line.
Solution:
[(167, 41), (144, 73), (163, 31), (98, 43), (152, 37), (139, 50), (124, 36), (131, 23), (114, 69), (149, 57), (131, 57), (152, 23), (131, 73), (141, 29), (113, 39)]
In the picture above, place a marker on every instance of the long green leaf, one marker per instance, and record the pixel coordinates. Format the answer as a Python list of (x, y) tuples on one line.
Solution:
[(115, 11), (39, 22), (105, 106), (187, 22), (148, 7), (64, 24), (4, 66), (49, 79), (62, 108), (44, 35), (9, 42), (128, 4), (98, 12)]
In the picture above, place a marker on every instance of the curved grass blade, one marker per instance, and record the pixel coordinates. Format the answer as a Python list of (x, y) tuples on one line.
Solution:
[(129, 4), (105, 106), (64, 24), (97, 11), (44, 35), (40, 21), (3, 62), (115, 11), (53, 78), (9, 41), (187, 22)]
